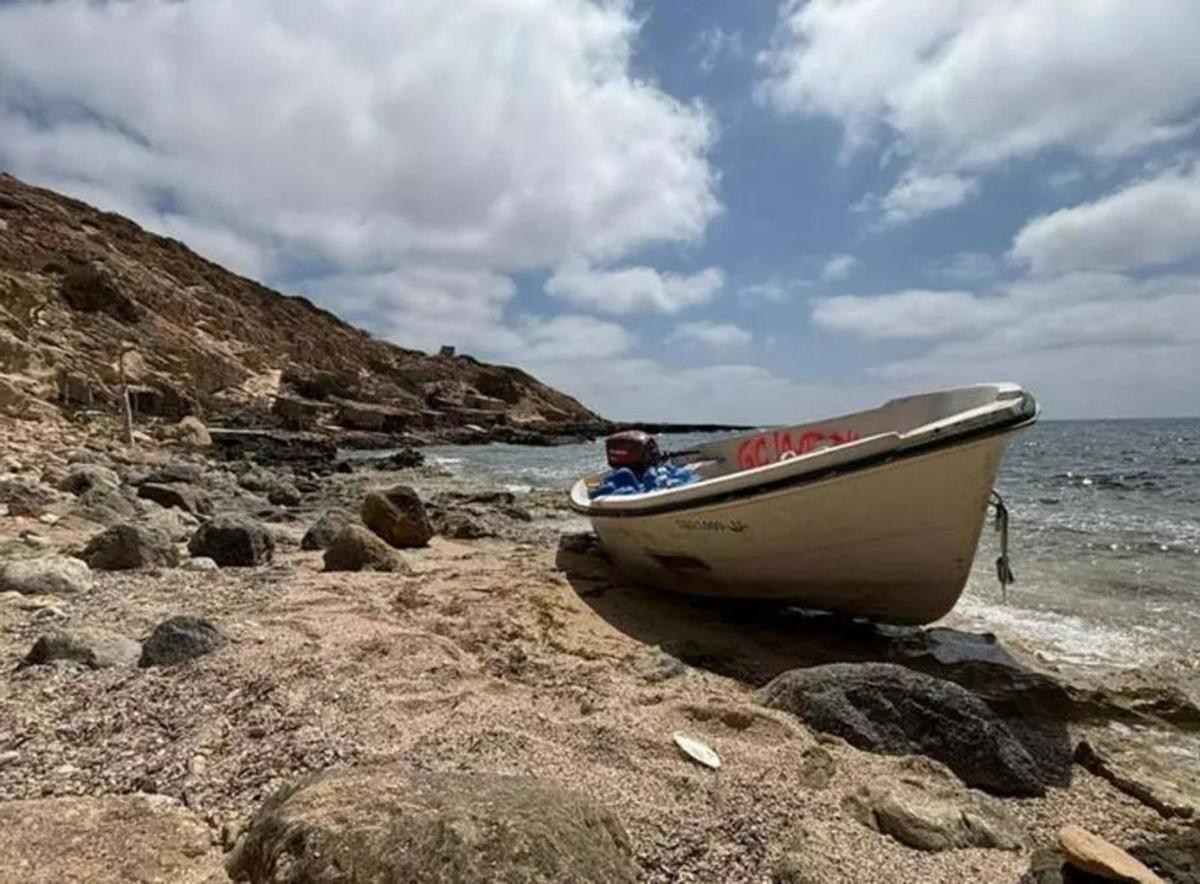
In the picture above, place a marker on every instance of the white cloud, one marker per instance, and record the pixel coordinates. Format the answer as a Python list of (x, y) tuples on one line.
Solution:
[(838, 267), (423, 306), (634, 289), (1147, 223), (773, 290), (1090, 343), (917, 194), (505, 134), (969, 84), (914, 314), (713, 335), (713, 44), (643, 389), (967, 266), (569, 338)]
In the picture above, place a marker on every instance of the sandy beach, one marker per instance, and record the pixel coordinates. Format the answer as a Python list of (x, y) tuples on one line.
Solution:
[(514, 654)]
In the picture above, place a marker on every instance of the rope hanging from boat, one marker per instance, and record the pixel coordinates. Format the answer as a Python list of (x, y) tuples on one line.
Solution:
[(1003, 569)]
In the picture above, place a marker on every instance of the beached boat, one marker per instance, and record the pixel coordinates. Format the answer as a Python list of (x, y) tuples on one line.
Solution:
[(874, 514)]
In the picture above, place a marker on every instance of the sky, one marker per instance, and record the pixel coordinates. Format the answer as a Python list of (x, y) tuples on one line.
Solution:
[(760, 211)]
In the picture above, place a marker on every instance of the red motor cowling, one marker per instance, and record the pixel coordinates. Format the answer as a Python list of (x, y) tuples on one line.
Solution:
[(634, 449)]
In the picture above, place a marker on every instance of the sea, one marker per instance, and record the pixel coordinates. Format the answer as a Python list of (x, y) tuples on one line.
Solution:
[(1104, 535)]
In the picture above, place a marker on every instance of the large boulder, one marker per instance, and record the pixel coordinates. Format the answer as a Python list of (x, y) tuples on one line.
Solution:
[(83, 477), (93, 648), (885, 708), (383, 823), (934, 816), (326, 528), (233, 541), (110, 838), (179, 640), (125, 547), (178, 495), (397, 515), (357, 549), (58, 575)]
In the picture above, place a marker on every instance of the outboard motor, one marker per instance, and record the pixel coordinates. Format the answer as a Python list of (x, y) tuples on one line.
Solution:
[(632, 449)]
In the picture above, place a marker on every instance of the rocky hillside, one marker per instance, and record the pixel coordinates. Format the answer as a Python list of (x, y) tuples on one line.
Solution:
[(80, 287)]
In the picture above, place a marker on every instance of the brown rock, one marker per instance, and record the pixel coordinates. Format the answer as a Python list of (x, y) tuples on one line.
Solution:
[(389, 824), (109, 839), (397, 515), (191, 431), (1141, 765), (934, 816), (357, 549), (1092, 854), (94, 648)]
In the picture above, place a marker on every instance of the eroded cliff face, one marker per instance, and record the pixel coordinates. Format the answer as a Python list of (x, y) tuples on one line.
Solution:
[(80, 287)]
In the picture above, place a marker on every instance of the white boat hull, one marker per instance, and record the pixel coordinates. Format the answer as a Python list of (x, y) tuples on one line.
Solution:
[(865, 528)]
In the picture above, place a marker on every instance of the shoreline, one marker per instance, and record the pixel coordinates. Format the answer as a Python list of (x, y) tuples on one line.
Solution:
[(513, 652)]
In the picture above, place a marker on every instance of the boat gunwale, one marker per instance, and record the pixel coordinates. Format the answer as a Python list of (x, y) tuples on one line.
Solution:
[(651, 507)]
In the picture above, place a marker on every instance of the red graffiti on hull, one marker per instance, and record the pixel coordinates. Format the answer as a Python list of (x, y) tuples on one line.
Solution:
[(770, 447)]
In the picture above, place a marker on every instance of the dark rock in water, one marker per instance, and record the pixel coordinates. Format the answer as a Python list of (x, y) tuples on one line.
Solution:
[(397, 515), (233, 541), (178, 640), (322, 532), (83, 477), (357, 549), (125, 547), (94, 648), (178, 495), (104, 506), (404, 459), (284, 494), (934, 816), (882, 707), (389, 824), (175, 472)]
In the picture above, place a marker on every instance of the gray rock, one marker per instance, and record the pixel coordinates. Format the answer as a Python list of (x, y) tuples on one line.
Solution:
[(284, 494), (233, 541), (89, 456), (931, 816), (397, 515), (94, 648), (391, 824), (104, 506), (200, 563), (1145, 765), (357, 549), (257, 480), (174, 524), (1175, 857), (25, 497), (179, 495), (882, 707), (56, 575), (179, 640), (191, 431), (83, 477), (126, 547), (322, 532), (174, 472)]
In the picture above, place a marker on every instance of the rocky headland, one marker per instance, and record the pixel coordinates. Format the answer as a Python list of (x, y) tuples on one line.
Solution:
[(230, 653)]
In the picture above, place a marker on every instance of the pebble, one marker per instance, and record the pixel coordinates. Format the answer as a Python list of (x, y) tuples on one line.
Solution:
[(49, 519)]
